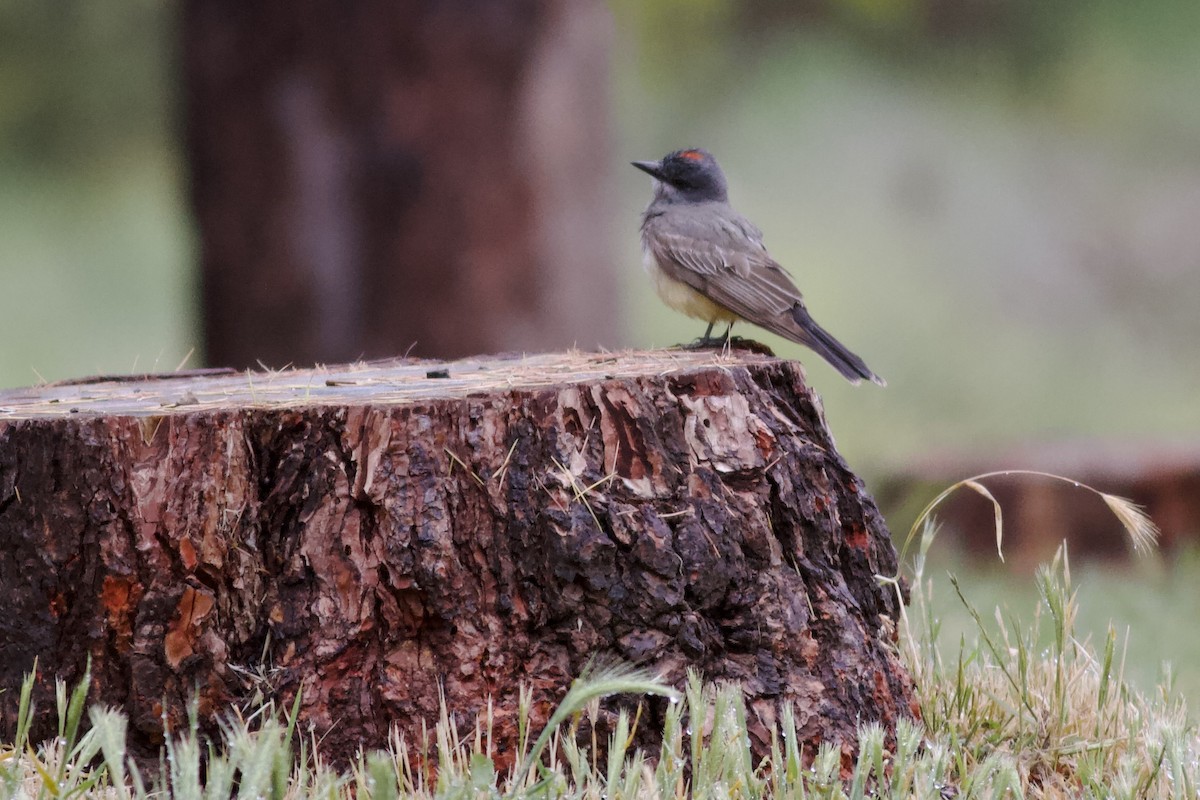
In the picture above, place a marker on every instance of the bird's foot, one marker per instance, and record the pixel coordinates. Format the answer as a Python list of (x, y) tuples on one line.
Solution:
[(732, 343), (704, 343)]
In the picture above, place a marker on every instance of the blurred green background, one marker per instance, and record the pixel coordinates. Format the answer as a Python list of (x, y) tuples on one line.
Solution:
[(994, 202), (96, 270)]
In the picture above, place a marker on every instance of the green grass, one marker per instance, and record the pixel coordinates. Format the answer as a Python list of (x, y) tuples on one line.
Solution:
[(1151, 603), (1147, 598), (1024, 706)]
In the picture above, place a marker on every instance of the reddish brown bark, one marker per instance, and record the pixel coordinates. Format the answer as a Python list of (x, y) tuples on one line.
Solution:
[(391, 531)]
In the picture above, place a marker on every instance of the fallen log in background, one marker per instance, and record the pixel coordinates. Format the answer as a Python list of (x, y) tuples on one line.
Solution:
[(377, 530)]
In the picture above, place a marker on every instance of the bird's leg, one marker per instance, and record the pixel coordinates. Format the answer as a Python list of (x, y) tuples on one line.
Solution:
[(705, 341), (725, 347)]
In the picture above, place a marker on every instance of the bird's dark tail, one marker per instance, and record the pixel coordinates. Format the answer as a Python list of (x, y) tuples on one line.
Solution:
[(822, 342)]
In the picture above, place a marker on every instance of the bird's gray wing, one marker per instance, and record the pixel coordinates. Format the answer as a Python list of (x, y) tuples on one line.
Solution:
[(721, 255)]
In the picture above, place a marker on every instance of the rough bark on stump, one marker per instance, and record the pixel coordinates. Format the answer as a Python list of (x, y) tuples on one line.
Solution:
[(477, 524)]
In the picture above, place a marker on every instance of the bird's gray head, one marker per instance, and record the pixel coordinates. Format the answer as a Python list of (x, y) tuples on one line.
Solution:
[(686, 176)]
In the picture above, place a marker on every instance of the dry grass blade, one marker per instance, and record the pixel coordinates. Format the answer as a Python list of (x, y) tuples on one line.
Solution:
[(1140, 529), (971, 483), (499, 476), (456, 460), (1137, 523), (568, 479)]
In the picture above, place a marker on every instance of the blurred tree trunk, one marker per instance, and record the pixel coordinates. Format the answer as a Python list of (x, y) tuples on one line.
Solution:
[(378, 176)]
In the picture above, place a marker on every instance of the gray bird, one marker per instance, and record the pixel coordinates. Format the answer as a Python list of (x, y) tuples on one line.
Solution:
[(709, 262)]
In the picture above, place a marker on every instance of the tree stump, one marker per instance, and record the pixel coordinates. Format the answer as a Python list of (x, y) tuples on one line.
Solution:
[(377, 530)]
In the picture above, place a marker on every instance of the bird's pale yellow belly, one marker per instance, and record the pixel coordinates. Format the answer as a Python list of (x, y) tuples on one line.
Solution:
[(684, 298)]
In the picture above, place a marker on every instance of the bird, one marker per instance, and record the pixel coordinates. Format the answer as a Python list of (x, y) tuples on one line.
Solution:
[(709, 262)]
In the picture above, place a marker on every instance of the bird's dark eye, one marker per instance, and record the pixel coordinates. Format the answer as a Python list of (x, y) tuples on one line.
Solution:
[(684, 182)]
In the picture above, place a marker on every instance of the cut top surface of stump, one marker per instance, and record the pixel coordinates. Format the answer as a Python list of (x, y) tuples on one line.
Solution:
[(392, 382)]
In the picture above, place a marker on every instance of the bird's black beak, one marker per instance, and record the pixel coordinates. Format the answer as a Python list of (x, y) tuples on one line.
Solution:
[(651, 168)]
